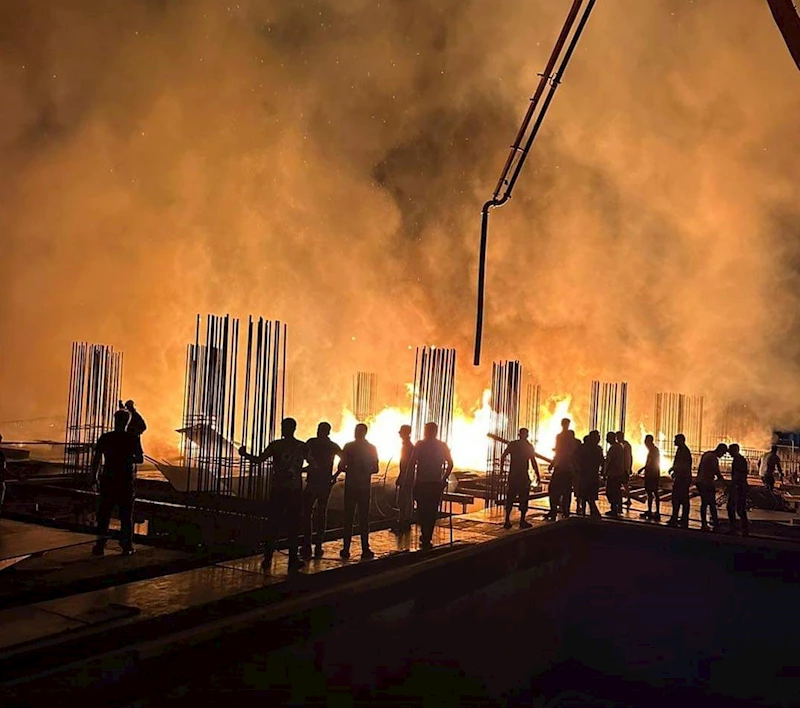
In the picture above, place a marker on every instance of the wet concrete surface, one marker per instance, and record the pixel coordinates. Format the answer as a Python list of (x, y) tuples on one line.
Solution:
[(127, 603), (21, 540)]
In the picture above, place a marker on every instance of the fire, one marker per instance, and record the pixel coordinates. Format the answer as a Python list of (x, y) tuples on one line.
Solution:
[(550, 423), (468, 441)]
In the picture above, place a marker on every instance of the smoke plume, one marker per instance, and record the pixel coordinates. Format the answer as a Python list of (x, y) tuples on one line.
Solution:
[(324, 162)]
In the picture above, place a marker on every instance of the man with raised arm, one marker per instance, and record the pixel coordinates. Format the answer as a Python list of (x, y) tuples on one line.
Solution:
[(286, 496), (522, 455), (117, 451)]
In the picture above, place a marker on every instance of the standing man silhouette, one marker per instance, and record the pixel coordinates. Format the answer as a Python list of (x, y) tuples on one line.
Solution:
[(681, 472), (359, 462), (405, 482), (615, 474), (737, 491), (590, 467), (559, 489), (431, 465), (285, 505), (519, 483), (707, 473), (652, 477), (317, 492), (116, 483), (627, 463), (767, 466)]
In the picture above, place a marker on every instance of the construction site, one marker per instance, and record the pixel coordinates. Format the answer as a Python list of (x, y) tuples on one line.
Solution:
[(605, 609)]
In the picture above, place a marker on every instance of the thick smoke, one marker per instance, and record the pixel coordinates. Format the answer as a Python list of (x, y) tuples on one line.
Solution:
[(324, 163)]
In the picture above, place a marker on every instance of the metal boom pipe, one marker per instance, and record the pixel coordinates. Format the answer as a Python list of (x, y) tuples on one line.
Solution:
[(518, 153)]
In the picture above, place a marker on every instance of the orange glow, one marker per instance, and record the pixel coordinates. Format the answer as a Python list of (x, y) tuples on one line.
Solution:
[(468, 440)]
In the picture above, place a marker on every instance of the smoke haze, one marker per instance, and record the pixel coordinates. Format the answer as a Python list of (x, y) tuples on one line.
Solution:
[(324, 163)]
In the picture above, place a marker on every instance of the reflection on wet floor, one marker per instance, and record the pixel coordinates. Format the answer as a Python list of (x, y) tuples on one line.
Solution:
[(129, 602), (20, 540)]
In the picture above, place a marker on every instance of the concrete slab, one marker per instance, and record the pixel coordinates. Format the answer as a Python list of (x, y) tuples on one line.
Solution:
[(18, 540), (26, 624), (170, 594), (123, 604)]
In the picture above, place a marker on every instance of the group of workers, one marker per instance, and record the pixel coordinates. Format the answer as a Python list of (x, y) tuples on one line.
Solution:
[(424, 471), (581, 468), (293, 507), (577, 467)]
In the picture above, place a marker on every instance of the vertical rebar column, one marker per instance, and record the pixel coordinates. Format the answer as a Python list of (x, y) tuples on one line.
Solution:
[(732, 423), (434, 390), (209, 406), (265, 378), (364, 395), (533, 411), (505, 405), (678, 413), (95, 382), (608, 404)]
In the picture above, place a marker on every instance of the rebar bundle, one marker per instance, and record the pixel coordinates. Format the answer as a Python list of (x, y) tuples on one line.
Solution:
[(733, 423), (264, 391), (678, 413), (365, 386), (533, 399), (505, 404), (95, 381), (209, 406), (214, 374), (434, 390), (608, 405)]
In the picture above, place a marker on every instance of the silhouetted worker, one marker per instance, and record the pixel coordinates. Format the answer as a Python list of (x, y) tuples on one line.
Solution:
[(627, 453), (2, 477), (681, 472), (737, 491), (405, 481), (359, 462), (136, 427), (563, 471), (564, 437), (285, 506), (577, 480), (116, 482), (590, 467), (317, 492), (575, 486), (431, 465), (614, 474), (707, 472), (652, 478), (767, 466), (522, 454)]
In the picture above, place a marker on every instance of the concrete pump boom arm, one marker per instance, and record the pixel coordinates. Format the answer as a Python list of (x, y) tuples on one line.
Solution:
[(786, 17)]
